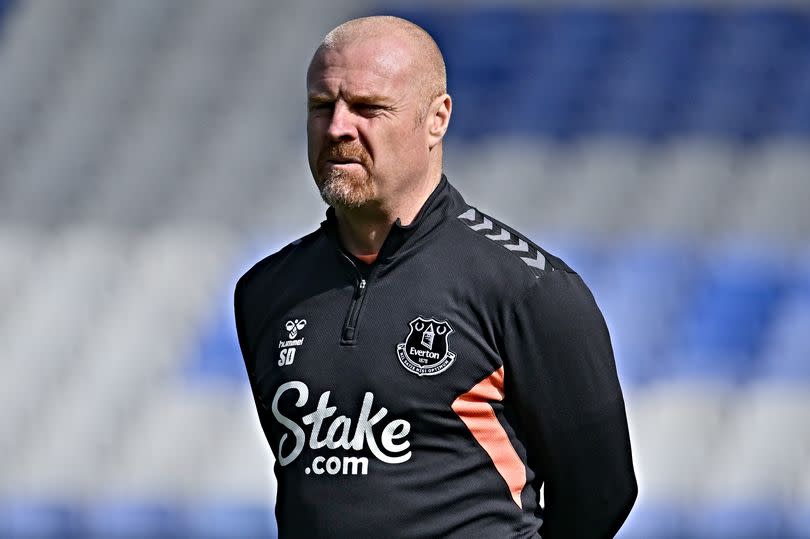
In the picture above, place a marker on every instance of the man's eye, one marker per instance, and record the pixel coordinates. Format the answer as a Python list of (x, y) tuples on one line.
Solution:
[(321, 106), (368, 108)]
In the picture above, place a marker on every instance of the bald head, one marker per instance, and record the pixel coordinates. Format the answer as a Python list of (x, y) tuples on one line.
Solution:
[(413, 44)]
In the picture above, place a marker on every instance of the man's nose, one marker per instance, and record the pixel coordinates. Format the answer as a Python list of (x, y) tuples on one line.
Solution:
[(342, 127)]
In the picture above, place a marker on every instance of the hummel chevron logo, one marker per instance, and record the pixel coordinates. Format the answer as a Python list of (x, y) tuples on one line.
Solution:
[(486, 224), (521, 246), (503, 237)]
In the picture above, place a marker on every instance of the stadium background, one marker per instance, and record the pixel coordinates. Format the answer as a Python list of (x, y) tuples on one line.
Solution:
[(151, 150)]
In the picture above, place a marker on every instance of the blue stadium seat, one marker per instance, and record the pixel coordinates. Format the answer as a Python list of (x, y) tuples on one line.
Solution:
[(746, 54), (642, 329), (760, 23), (740, 521), (795, 120), (787, 365), (591, 28), (671, 32), (217, 352), (722, 329), (722, 109), (723, 326), (487, 36), (788, 357), (759, 279), (131, 520), (472, 112), (634, 99), (728, 73), (543, 105), (5, 8), (476, 57), (643, 83), (756, 277), (801, 288), (638, 339), (645, 86), (676, 23), (797, 522), (230, 521), (38, 519), (708, 366), (657, 262), (628, 118), (753, 36)]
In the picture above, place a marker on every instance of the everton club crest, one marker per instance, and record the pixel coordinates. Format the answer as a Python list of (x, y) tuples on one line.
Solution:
[(424, 351)]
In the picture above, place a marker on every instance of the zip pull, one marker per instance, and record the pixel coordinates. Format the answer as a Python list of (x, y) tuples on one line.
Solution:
[(361, 287)]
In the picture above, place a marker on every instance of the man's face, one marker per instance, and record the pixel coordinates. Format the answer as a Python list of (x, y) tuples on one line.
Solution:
[(365, 140)]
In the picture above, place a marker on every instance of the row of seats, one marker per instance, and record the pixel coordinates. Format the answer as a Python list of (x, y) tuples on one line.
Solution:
[(724, 314), (164, 129), (152, 520), (151, 384), (166, 106), (615, 191), (651, 73), (730, 521), (132, 519), (101, 325)]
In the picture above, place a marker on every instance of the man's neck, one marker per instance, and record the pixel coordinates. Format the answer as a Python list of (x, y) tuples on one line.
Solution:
[(363, 230)]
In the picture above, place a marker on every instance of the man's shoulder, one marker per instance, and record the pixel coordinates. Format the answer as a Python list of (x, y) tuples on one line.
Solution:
[(497, 244), (528, 276), (270, 264)]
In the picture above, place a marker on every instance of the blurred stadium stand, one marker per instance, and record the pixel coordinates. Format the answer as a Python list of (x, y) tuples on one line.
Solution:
[(150, 151)]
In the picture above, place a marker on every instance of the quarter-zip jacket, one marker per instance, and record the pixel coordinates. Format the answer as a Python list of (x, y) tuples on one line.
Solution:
[(432, 393)]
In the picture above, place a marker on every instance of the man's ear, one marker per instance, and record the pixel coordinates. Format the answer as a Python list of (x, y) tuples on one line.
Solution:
[(438, 119)]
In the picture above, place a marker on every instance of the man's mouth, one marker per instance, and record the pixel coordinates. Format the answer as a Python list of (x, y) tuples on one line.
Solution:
[(343, 161)]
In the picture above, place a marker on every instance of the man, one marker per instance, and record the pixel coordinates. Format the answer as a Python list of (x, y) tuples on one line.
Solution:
[(419, 368)]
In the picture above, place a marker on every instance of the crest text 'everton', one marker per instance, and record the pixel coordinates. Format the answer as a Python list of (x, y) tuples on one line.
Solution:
[(425, 351)]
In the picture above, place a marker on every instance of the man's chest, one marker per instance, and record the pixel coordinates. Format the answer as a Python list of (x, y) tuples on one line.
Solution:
[(407, 343), (414, 352)]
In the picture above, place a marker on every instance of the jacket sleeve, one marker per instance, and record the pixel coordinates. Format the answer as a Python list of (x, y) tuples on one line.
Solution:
[(247, 355), (563, 389)]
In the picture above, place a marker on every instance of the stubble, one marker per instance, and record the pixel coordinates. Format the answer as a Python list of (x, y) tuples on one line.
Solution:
[(350, 187)]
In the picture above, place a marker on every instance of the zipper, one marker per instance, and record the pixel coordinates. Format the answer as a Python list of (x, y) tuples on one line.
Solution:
[(349, 333)]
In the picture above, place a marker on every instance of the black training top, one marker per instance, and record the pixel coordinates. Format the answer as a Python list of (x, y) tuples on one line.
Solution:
[(435, 393)]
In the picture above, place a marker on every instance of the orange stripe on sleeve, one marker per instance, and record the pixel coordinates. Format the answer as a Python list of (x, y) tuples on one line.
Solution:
[(475, 411)]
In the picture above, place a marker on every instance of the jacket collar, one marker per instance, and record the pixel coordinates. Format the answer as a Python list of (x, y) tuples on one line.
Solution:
[(435, 211)]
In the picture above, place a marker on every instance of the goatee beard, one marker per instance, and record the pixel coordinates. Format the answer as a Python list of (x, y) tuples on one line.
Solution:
[(347, 190)]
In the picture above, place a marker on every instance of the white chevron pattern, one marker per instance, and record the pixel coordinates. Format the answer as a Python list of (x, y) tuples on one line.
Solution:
[(539, 262), (521, 246), (486, 225), (503, 237)]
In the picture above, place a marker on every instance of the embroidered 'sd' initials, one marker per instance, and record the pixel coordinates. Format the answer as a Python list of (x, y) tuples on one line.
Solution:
[(286, 354)]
